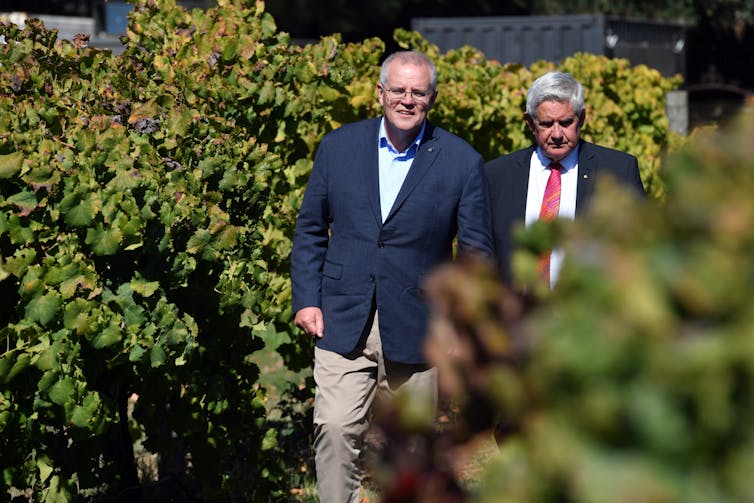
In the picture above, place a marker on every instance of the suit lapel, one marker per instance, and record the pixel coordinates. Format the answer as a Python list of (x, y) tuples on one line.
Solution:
[(519, 186), (369, 161), (425, 157), (584, 185)]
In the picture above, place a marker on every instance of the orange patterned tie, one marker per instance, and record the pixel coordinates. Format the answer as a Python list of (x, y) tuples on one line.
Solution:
[(549, 211)]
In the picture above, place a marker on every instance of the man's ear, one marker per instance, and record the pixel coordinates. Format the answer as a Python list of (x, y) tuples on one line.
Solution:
[(582, 118), (529, 122), (380, 94), (433, 98)]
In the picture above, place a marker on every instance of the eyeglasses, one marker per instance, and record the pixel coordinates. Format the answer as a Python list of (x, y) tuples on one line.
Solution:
[(400, 93)]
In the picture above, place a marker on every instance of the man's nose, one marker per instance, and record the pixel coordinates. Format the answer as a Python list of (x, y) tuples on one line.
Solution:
[(409, 98)]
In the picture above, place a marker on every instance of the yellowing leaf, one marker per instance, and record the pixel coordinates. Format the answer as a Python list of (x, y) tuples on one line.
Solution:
[(45, 467), (143, 111), (143, 287), (10, 164)]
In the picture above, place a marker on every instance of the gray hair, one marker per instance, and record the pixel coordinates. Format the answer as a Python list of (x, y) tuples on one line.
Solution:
[(410, 57), (558, 86)]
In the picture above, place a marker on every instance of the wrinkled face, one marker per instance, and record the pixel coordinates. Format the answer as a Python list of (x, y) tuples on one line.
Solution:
[(556, 128), (406, 97)]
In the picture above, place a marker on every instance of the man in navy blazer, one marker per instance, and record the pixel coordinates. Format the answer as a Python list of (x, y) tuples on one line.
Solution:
[(384, 203), (555, 115)]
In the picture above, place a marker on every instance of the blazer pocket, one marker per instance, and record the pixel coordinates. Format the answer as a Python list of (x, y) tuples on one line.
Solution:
[(332, 270)]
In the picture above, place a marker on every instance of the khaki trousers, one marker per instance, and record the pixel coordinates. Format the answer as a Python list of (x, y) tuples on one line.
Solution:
[(346, 387)]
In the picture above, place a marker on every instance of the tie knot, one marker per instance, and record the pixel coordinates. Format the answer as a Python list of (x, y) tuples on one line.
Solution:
[(555, 166)]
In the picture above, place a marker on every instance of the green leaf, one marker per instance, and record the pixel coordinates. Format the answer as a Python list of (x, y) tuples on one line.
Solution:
[(134, 315), (5, 364), (125, 180), (22, 361), (19, 233), (3, 223), (104, 241), (48, 379), (227, 238), (230, 49), (83, 414), (10, 164), (48, 358), (136, 354), (270, 440), (76, 316), (107, 337), (56, 275), (57, 493), (62, 391), (86, 141), (25, 201), (198, 241), (43, 308), (143, 287), (267, 93), (157, 356), (21, 260), (45, 467), (80, 215), (69, 285)]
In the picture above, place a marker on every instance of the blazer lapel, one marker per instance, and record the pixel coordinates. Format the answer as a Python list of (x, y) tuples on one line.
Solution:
[(425, 157)]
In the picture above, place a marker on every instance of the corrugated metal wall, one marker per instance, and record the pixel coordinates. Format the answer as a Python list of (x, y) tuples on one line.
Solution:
[(517, 39), (526, 39)]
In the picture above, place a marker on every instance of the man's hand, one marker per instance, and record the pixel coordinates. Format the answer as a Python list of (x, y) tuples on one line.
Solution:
[(310, 320)]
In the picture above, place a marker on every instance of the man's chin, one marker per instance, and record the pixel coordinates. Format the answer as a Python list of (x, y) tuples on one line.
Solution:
[(557, 154)]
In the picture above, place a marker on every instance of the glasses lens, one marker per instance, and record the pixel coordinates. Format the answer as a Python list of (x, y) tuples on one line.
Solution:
[(399, 94)]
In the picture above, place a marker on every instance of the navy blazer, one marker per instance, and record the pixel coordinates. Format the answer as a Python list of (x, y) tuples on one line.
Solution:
[(344, 256), (508, 182)]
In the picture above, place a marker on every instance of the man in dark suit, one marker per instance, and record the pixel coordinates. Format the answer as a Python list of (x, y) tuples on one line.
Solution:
[(560, 165), (385, 200)]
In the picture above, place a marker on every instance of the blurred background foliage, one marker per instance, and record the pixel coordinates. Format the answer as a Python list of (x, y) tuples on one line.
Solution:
[(632, 379)]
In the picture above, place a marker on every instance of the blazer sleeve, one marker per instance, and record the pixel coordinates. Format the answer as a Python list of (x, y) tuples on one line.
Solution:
[(474, 222), (311, 236), (635, 177), (623, 166)]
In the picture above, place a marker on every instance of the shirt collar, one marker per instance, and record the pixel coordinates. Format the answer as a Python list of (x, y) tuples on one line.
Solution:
[(384, 142), (568, 162)]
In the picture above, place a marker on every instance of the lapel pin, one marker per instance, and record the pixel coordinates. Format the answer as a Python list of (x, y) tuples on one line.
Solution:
[(586, 176)]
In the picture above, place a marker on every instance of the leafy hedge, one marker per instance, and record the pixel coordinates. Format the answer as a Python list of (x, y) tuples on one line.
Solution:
[(147, 205)]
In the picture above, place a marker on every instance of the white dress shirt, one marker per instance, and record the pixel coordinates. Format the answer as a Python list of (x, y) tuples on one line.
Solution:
[(538, 175)]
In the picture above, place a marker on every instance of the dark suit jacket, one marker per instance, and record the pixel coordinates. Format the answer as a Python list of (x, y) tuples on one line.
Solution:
[(344, 256), (508, 182)]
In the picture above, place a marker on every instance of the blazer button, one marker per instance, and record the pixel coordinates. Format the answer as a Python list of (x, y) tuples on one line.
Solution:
[(380, 244), (371, 278)]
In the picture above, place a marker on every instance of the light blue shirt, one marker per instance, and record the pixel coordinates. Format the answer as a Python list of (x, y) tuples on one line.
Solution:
[(394, 166)]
